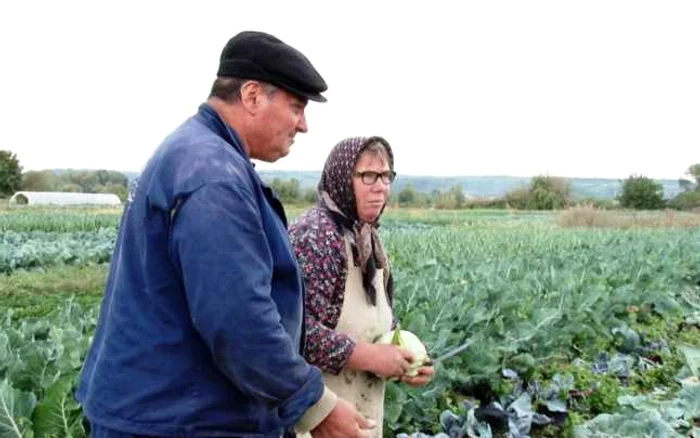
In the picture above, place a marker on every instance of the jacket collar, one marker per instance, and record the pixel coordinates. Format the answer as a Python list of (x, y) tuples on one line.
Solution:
[(208, 116)]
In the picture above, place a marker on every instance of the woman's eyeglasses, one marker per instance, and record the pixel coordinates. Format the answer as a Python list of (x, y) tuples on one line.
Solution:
[(370, 177)]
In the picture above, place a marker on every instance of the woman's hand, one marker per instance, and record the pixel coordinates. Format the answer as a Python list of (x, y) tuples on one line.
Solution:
[(384, 360), (424, 376), (344, 421)]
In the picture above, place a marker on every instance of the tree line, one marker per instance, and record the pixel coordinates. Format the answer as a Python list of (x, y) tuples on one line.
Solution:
[(12, 179), (542, 193)]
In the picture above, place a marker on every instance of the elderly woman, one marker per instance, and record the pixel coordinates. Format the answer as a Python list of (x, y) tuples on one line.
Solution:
[(349, 287)]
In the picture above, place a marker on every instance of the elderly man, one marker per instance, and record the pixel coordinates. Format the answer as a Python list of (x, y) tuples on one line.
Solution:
[(200, 331)]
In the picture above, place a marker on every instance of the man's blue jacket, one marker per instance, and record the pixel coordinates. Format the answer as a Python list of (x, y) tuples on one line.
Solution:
[(201, 327)]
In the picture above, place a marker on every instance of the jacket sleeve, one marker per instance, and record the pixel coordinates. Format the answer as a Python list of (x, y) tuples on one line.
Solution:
[(219, 244), (324, 268)]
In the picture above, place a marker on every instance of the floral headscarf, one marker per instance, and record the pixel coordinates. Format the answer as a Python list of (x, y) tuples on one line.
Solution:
[(336, 195)]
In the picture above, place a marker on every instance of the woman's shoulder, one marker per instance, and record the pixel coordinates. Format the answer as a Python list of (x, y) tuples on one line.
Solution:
[(314, 222), (315, 233)]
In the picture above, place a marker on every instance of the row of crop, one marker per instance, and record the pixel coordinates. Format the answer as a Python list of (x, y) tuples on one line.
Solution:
[(93, 219), (616, 311), (39, 249), (564, 328), (39, 364), (57, 220)]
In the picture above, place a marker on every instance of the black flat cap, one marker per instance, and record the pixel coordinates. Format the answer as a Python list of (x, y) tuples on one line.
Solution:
[(263, 57)]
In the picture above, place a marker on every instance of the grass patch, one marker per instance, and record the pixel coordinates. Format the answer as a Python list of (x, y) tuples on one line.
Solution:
[(36, 293), (590, 216)]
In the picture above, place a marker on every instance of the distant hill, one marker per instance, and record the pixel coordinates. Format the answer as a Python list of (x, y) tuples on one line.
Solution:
[(476, 186), (480, 186)]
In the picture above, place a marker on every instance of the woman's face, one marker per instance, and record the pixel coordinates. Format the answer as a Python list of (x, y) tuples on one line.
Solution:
[(370, 198)]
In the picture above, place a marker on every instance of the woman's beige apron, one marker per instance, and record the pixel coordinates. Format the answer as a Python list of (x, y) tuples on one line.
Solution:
[(361, 321)]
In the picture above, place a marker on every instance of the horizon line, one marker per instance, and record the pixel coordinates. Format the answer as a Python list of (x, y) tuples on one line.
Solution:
[(416, 175)]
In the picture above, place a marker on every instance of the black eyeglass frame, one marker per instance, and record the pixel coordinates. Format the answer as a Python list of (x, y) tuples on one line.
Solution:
[(370, 177)]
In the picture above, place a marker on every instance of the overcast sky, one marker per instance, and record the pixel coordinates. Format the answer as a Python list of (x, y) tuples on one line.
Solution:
[(587, 88)]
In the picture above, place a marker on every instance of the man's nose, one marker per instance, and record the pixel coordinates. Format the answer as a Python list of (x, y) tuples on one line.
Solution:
[(302, 126)]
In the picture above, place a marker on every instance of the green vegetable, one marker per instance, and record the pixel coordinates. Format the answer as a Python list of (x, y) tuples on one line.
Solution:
[(411, 342)]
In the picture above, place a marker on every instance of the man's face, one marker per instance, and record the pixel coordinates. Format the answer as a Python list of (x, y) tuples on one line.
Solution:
[(281, 116)]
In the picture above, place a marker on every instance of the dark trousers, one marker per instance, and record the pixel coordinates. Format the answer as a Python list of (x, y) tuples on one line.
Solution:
[(97, 431)]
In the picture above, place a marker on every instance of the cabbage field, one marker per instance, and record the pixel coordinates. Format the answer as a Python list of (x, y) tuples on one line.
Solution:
[(567, 332)]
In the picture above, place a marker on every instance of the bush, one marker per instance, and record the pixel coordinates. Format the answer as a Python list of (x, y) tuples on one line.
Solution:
[(407, 196), (600, 203), (642, 193), (686, 200), (518, 198), (10, 173), (543, 193), (486, 203)]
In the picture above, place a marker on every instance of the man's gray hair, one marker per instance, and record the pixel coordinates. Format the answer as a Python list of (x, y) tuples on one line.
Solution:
[(228, 89)]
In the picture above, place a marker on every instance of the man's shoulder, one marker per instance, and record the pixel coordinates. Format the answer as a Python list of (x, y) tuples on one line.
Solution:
[(194, 141), (196, 156)]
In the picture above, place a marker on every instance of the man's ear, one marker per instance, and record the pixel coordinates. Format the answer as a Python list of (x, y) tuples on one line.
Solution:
[(251, 95)]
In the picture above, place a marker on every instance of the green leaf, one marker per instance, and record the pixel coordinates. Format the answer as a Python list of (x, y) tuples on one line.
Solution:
[(16, 408), (396, 339), (395, 398), (58, 414), (692, 359), (628, 339), (641, 424), (689, 401), (417, 323)]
